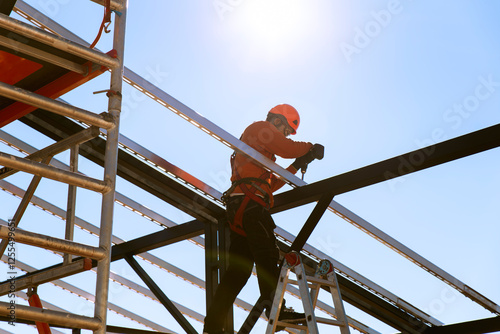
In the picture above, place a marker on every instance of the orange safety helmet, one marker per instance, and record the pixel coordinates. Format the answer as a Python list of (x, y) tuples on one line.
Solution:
[(290, 113)]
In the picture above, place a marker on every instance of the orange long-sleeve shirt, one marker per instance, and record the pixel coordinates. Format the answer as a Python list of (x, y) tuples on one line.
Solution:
[(266, 139)]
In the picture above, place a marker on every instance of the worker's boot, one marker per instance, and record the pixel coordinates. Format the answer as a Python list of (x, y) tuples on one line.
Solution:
[(290, 314)]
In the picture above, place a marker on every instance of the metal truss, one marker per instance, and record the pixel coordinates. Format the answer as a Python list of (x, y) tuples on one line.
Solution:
[(137, 245), (170, 183), (227, 139)]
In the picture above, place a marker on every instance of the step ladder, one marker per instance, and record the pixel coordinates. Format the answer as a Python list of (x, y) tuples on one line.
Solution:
[(309, 287)]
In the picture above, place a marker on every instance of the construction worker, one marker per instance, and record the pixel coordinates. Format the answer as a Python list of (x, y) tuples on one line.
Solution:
[(248, 202)]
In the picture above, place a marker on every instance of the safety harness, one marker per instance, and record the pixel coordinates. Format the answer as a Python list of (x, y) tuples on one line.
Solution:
[(250, 187)]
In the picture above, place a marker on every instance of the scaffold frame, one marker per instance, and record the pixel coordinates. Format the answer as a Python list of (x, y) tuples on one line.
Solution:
[(122, 157)]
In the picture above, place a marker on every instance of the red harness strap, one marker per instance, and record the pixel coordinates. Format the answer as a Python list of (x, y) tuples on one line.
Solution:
[(250, 194)]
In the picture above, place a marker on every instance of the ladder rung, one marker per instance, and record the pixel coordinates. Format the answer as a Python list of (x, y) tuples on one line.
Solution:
[(325, 321), (290, 325), (328, 321), (313, 282), (320, 281)]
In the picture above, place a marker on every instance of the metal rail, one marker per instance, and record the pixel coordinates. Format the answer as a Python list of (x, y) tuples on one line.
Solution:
[(90, 297), (43, 102), (47, 305), (365, 226), (53, 173), (44, 277), (110, 170), (42, 55), (134, 148), (50, 150), (231, 141), (110, 121), (94, 230), (116, 5), (51, 317), (58, 42), (55, 244), (227, 139)]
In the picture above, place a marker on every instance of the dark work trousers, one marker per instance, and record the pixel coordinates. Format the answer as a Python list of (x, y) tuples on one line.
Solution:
[(259, 247)]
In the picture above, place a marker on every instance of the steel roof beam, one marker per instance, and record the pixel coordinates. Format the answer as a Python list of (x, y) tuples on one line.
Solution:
[(129, 168), (182, 321), (231, 141), (40, 118), (311, 222), (487, 325), (411, 162), (158, 239), (227, 139), (6, 6)]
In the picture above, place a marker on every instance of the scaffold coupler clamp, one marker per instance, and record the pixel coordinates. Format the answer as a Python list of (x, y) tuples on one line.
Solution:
[(32, 290), (109, 92)]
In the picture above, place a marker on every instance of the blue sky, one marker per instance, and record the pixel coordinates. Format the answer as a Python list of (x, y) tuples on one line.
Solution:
[(371, 80)]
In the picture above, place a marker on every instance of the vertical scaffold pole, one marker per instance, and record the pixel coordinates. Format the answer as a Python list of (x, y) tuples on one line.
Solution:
[(110, 168)]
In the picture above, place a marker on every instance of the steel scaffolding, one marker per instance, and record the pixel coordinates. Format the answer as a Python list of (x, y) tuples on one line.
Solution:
[(37, 163), (120, 156)]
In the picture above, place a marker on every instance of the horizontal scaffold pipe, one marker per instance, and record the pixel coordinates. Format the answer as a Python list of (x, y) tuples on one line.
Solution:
[(43, 102), (48, 316), (56, 148), (116, 5), (53, 173), (51, 243), (57, 42)]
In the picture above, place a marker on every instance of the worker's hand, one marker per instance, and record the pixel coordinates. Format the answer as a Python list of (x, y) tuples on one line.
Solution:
[(316, 152)]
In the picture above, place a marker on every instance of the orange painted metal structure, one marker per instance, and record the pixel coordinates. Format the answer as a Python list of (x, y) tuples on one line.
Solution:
[(15, 68), (42, 327)]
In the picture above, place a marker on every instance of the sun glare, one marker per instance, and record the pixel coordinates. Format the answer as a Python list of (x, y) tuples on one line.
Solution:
[(273, 29)]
